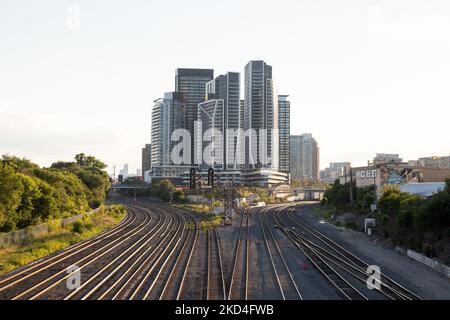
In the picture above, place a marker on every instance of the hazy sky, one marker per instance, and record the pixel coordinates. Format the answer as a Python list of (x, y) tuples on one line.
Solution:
[(363, 76)]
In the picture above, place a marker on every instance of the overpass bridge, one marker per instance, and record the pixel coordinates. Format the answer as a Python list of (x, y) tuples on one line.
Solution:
[(309, 193), (117, 187), (128, 187), (282, 190)]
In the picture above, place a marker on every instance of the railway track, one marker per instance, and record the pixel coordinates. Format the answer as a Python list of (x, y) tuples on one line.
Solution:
[(238, 289), (334, 256), (32, 269), (47, 276), (285, 280), (175, 282), (188, 281), (344, 258), (111, 275), (342, 285), (92, 266), (148, 277), (216, 281), (154, 254), (151, 271), (135, 260), (145, 278)]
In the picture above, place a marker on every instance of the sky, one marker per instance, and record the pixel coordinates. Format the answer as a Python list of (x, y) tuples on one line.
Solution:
[(363, 76)]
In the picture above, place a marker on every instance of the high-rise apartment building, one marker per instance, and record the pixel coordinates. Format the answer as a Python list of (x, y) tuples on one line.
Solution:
[(241, 114), (260, 116), (216, 102), (335, 171), (210, 145), (284, 132), (124, 172), (146, 158), (168, 115), (192, 83), (224, 94), (304, 157), (160, 155), (227, 88)]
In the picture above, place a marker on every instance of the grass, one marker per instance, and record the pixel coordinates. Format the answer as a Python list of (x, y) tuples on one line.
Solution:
[(326, 212), (323, 212), (210, 221), (197, 208), (207, 224), (58, 237)]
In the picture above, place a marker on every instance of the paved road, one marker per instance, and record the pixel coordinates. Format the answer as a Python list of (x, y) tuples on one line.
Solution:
[(419, 278)]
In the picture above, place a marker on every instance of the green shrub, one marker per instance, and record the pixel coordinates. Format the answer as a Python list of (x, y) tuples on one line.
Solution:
[(409, 219), (352, 225), (78, 227), (30, 195)]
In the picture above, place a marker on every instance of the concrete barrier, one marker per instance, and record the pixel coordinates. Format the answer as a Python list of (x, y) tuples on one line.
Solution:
[(441, 268), (20, 236)]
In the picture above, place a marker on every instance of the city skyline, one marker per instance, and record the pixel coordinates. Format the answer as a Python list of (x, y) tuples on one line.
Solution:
[(358, 71)]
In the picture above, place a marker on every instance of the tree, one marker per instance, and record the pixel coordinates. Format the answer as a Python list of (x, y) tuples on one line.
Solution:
[(11, 190), (399, 215), (337, 195), (30, 194), (80, 159), (90, 171), (25, 212), (179, 196), (307, 183), (365, 197), (71, 193), (163, 189), (46, 206), (89, 161), (436, 213)]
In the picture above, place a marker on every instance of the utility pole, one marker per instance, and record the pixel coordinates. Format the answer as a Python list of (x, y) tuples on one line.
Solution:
[(375, 178), (345, 175), (229, 194), (351, 185)]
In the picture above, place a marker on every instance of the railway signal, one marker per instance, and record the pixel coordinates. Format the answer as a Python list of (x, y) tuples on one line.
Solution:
[(193, 179), (211, 177)]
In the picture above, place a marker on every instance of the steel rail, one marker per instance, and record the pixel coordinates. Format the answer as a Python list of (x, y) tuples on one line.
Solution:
[(65, 253), (123, 239), (116, 269), (237, 253), (178, 260), (169, 256), (281, 256), (216, 245), (164, 234), (266, 242), (183, 279), (150, 271), (349, 291), (406, 294)]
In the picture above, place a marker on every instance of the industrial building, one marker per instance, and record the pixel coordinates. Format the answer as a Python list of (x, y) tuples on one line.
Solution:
[(380, 175)]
